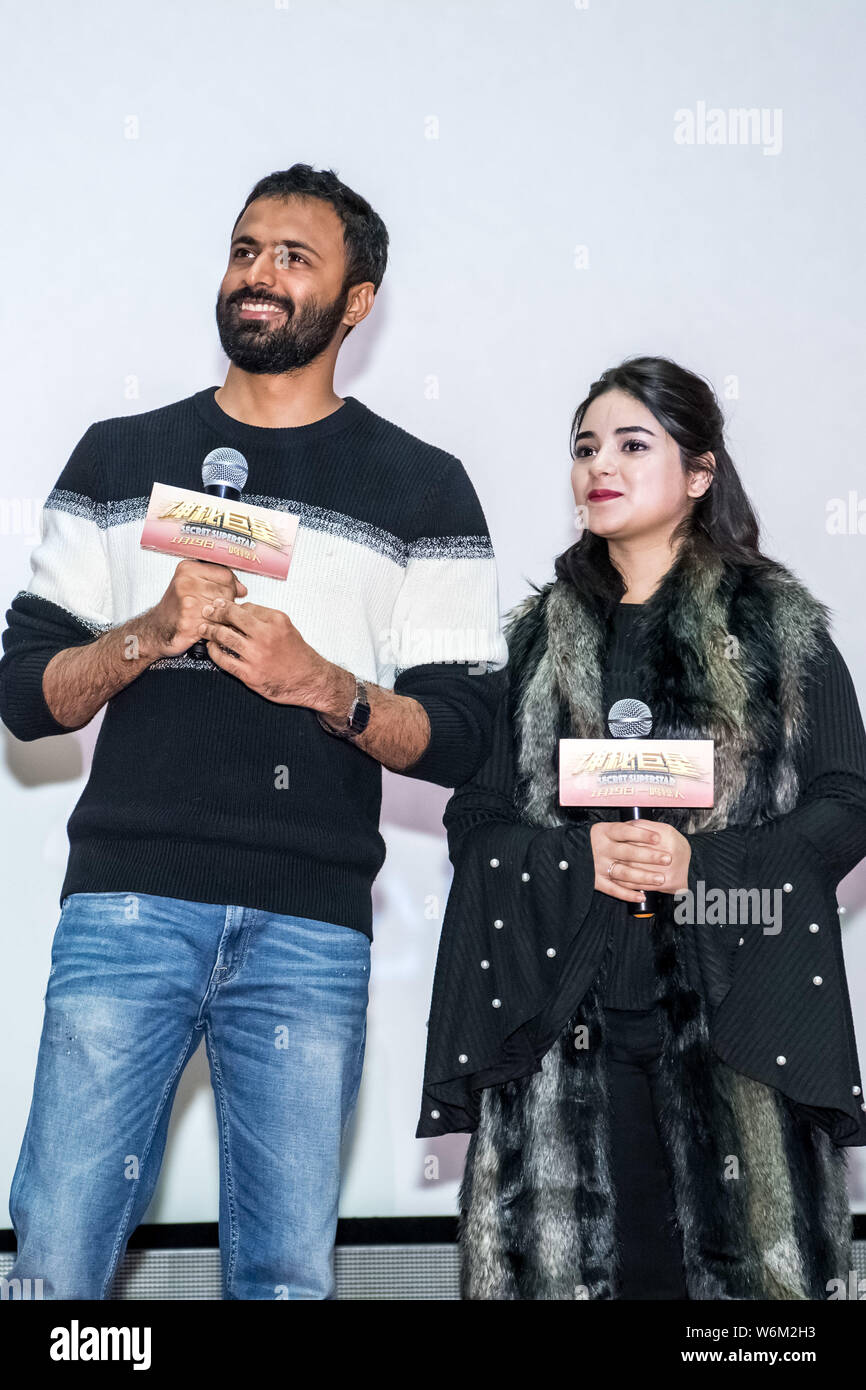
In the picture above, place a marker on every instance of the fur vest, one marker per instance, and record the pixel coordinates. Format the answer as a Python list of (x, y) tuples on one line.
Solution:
[(759, 1191)]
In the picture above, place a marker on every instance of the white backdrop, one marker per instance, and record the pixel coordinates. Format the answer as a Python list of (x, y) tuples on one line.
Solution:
[(565, 184)]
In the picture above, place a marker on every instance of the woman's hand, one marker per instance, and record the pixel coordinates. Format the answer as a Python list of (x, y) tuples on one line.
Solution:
[(647, 856)]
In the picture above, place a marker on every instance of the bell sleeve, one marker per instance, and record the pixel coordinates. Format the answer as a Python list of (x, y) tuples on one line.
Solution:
[(519, 901), (776, 983)]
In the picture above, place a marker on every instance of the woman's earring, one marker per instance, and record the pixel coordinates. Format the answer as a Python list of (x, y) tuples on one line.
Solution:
[(580, 520)]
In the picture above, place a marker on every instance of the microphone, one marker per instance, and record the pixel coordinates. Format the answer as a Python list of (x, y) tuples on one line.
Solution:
[(633, 719), (223, 474)]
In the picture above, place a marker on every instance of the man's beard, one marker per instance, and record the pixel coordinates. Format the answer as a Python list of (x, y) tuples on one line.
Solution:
[(269, 349)]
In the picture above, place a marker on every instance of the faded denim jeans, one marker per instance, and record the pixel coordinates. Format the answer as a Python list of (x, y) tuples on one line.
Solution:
[(135, 980)]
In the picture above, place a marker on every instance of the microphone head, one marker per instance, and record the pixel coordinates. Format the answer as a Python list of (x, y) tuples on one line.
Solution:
[(630, 719), (225, 466)]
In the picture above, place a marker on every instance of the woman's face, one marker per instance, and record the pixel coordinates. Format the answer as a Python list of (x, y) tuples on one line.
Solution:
[(627, 474)]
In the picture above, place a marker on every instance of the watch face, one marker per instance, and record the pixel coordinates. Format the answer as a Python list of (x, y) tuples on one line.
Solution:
[(360, 716)]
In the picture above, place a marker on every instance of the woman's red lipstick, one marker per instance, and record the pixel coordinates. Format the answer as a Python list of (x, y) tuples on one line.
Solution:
[(601, 494)]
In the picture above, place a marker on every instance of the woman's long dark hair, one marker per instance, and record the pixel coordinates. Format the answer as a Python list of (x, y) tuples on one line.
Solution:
[(722, 521)]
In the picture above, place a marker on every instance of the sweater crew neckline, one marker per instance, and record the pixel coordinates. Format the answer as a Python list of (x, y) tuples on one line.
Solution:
[(238, 431)]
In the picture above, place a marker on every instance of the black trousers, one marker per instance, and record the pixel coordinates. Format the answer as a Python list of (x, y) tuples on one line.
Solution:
[(648, 1238)]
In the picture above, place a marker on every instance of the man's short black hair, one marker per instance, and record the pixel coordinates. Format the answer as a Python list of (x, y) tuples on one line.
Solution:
[(364, 232)]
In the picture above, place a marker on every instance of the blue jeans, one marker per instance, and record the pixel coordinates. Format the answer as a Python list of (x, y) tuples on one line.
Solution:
[(135, 980)]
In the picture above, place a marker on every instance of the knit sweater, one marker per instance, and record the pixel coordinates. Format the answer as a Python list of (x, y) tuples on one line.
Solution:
[(200, 788)]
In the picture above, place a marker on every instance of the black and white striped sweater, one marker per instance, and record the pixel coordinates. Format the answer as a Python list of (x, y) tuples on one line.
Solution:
[(200, 788)]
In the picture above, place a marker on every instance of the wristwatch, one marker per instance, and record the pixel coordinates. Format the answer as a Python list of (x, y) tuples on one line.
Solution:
[(359, 715)]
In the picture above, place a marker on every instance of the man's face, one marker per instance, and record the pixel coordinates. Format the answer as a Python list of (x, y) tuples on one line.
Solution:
[(281, 300)]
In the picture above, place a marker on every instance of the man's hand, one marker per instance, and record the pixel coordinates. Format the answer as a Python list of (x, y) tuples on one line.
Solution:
[(78, 680), (173, 625), (648, 856), (264, 649)]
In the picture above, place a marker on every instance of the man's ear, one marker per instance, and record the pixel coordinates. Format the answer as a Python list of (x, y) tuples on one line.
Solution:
[(359, 303)]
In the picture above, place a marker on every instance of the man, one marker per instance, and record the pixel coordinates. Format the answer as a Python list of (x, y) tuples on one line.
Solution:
[(223, 850)]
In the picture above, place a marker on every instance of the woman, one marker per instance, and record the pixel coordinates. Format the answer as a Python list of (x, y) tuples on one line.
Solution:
[(659, 1108)]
